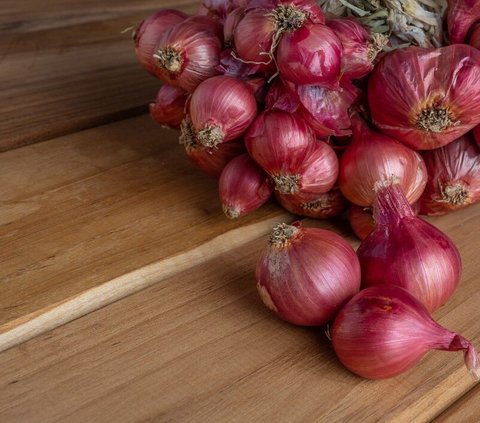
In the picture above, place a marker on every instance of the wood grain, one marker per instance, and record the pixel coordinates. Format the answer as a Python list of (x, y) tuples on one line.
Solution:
[(200, 346), (466, 409), (86, 209), (67, 67)]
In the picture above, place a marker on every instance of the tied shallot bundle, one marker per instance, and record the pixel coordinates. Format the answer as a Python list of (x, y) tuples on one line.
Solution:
[(327, 109)]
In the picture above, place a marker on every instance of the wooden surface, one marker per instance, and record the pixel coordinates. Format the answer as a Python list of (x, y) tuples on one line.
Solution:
[(125, 295)]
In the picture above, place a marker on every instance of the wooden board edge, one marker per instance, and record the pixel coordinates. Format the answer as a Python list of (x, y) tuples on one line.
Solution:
[(27, 327)]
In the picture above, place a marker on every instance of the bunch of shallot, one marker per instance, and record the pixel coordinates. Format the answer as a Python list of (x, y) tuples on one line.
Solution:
[(335, 108)]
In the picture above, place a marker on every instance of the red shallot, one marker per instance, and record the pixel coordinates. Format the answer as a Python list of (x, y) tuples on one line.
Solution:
[(311, 55), (426, 98), (306, 275), (221, 109), (359, 51), (169, 106), (319, 206), (243, 187), (210, 161), (372, 158), (186, 55), (453, 177), (261, 29), (384, 331), (148, 34), (284, 146), (406, 251), (462, 14)]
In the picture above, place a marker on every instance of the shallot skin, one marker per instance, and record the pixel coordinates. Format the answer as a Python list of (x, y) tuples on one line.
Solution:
[(453, 177), (308, 275), (462, 14), (383, 331), (405, 251), (169, 106), (426, 98), (243, 187), (149, 32), (374, 157)]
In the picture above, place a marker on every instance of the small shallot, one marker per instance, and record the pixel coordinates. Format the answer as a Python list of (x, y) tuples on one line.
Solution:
[(243, 187), (211, 161), (305, 275), (383, 331), (221, 109), (372, 158), (148, 34), (186, 55), (406, 251), (169, 106), (453, 177), (319, 206)]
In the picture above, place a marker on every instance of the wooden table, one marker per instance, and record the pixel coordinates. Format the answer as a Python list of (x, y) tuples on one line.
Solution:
[(125, 295)]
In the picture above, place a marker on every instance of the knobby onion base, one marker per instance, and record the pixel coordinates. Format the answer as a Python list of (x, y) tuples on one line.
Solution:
[(169, 58), (435, 119)]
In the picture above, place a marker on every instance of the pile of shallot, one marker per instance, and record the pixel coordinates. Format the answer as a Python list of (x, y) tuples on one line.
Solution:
[(335, 115)]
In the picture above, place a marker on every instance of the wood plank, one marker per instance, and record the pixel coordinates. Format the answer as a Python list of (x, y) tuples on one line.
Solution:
[(67, 67), (200, 346), (466, 409), (87, 209)]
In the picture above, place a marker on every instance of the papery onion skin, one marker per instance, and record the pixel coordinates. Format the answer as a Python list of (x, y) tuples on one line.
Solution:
[(453, 177), (279, 141), (474, 39), (461, 15), (243, 187), (282, 96), (361, 221), (221, 8), (357, 57), (169, 106), (231, 22), (258, 32), (186, 55), (426, 98), (148, 34), (305, 275), (374, 157), (229, 65), (211, 161), (320, 206), (327, 111), (208, 23), (476, 134), (221, 109), (311, 55), (404, 250), (383, 331), (284, 146)]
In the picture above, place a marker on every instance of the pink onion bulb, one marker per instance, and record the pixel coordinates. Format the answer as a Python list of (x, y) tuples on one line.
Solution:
[(284, 146), (148, 34), (260, 30), (383, 331), (426, 98), (453, 177), (406, 251), (359, 51), (243, 187), (221, 109), (305, 275), (372, 158), (326, 111), (361, 221), (461, 15), (311, 55), (186, 55), (231, 22), (316, 206), (169, 106), (211, 161)]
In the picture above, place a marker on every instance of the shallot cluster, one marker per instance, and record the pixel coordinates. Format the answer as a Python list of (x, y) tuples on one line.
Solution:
[(334, 113)]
